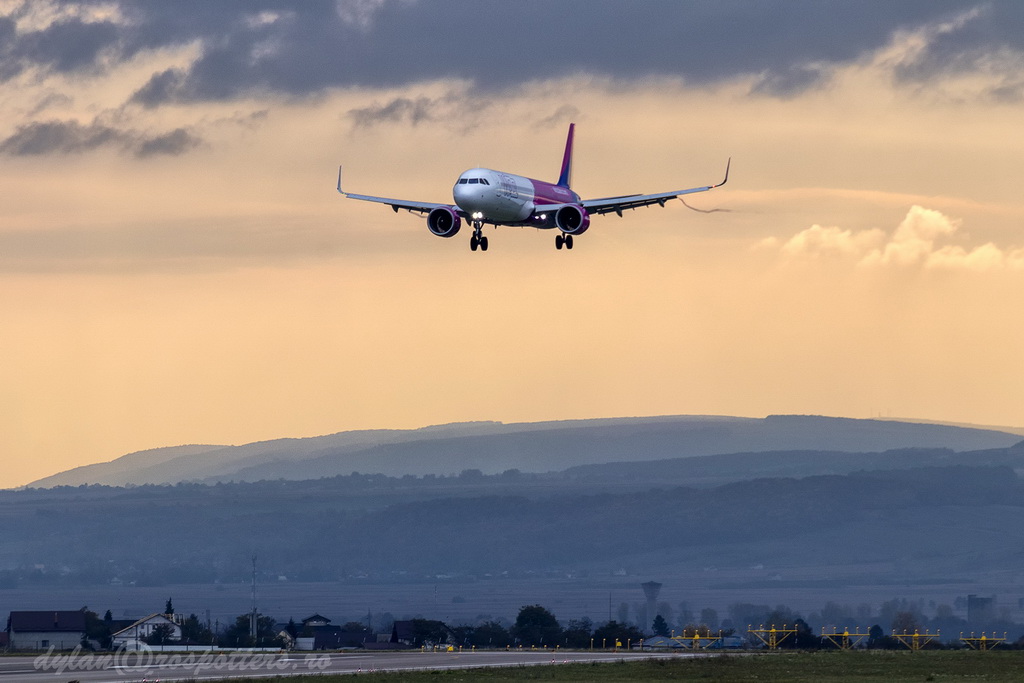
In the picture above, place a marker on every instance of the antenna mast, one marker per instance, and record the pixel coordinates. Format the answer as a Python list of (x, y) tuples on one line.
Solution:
[(252, 617)]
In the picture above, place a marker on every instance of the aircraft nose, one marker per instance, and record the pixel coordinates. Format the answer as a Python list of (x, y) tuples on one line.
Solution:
[(468, 196)]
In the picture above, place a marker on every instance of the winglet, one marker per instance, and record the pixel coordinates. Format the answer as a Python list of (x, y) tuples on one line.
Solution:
[(339, 181), (565, 177), (727, 165)]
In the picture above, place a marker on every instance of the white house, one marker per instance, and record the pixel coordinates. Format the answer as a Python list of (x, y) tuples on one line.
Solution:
[(62, 630), (130, 638)]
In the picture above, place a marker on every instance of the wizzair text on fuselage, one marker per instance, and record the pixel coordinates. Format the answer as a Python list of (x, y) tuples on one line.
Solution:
[(486, 197)]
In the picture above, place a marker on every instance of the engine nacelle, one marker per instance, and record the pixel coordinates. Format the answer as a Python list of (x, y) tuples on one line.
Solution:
[(443, 221), (572, 219)]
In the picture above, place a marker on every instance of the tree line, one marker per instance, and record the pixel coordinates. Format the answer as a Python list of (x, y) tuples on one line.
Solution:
[(536, 626)]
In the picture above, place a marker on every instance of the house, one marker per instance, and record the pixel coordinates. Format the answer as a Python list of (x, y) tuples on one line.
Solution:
[(131, 637), (315, 621), (305, 639), (281, 629), (61, 630)]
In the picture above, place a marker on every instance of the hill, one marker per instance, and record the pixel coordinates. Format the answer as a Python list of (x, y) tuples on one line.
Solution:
[(493, 447), (674, 515)]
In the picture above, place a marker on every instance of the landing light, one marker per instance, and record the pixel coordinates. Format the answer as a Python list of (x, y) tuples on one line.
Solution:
[(478, 215)]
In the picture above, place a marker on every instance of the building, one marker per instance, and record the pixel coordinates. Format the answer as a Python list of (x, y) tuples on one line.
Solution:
[(315, 621), (981, 611), (131, 637), (31, 630)]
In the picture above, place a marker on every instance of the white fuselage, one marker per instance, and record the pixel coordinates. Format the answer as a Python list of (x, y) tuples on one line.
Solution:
[(504, 198), (494, 196)]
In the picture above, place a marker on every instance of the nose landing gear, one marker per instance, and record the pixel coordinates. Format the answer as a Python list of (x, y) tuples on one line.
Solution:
[(563, 239), (478, 239)]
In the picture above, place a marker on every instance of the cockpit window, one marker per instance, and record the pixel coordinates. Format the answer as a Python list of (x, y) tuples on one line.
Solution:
[(463, 181), (474, 181)]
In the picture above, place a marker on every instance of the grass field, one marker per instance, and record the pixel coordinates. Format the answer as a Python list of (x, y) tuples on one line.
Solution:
[(790, 667)]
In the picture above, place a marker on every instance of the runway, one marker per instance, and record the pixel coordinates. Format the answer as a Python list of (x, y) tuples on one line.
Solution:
[(130, 667)]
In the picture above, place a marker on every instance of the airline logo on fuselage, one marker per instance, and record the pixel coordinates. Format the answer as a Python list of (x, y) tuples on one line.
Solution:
[(508, 186)]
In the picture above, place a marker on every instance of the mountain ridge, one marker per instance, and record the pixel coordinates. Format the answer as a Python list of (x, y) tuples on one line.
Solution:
[(493, 447)]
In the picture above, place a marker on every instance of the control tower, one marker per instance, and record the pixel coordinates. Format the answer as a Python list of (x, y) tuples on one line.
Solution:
[(651, 591)]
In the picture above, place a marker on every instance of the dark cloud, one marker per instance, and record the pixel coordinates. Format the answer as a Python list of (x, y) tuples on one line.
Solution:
[(979, 33), (301, 48), (52, 99), (1008, 93), (59, 137), (69, 45), (70, 137), (176, 142), (564, 114), (400, 109), (790, 82), (501, 45), (65, 46), (9, 66), (162, 87)]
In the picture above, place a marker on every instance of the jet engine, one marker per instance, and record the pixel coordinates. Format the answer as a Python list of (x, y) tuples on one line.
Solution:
[(443, 221), (572, 219)]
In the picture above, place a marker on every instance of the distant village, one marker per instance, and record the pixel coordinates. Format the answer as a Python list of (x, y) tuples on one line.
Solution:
[(30, 630), (534, 627)]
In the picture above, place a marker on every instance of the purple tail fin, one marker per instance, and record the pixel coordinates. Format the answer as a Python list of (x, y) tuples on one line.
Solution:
[(565, 178)]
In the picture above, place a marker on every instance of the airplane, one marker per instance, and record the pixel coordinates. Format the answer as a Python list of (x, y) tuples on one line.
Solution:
[(483, 196)]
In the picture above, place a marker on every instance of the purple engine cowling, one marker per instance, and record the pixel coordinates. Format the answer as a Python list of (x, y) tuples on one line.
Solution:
[(443, 221), (572, 219)]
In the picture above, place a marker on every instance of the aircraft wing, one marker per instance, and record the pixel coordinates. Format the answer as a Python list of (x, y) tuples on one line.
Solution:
[(636, 201), (395, 204)]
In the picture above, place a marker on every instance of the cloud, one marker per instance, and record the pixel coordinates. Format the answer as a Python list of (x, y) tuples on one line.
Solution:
[(302, 49), (59, 137), (58, 37), (972, 53), (564, 114), (400, 109), (456, 109), (51, 100), (177, 142), (358, 13), (71, 137), (915, 243), (162, 87), (817, 241), (791, 81), (38, 15)]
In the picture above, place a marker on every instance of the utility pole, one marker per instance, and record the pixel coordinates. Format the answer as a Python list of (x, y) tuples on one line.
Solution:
[(252, 617)]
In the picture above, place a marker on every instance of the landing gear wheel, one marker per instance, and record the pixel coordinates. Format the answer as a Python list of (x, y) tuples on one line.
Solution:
[(559, 241), (478, 239), (568, 241)]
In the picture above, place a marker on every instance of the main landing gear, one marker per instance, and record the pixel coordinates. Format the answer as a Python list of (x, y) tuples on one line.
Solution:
[(563, 239), (478, 239)]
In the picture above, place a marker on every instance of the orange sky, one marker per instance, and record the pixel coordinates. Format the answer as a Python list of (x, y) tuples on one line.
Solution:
[(869, 259)]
